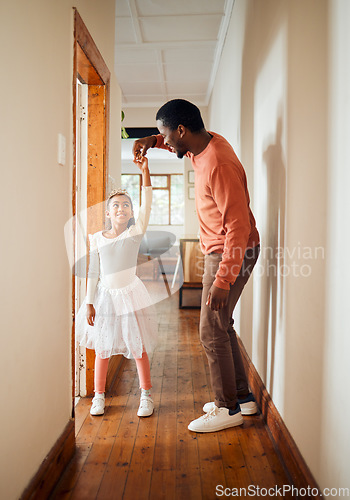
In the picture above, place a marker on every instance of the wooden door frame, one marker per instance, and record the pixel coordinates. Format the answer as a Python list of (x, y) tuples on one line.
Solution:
[(90, 68)]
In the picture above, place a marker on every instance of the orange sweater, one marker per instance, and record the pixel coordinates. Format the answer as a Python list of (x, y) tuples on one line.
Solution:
[(227, 224)]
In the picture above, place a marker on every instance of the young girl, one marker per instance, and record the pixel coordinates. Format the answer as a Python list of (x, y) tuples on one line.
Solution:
[(116, 316)]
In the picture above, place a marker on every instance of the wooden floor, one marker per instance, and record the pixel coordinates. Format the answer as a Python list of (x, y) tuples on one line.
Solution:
[(120, 456)]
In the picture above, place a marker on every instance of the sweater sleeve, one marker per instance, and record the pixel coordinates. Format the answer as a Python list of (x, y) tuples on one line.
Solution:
[(145, 210), (94, 270), (228, 191)]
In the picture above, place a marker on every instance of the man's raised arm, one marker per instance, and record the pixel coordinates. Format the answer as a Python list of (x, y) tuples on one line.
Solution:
[(141, 146)]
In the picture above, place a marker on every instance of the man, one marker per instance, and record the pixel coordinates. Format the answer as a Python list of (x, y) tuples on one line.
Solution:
[(230, 242)]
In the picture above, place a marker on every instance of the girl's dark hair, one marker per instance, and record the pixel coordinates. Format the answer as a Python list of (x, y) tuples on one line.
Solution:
[(180, 112), (121, 192)]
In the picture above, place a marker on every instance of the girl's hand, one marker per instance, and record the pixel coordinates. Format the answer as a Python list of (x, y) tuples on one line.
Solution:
[(141, 162), (90, 314)]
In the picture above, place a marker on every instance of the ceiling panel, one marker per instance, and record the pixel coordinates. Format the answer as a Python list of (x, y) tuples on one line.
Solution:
[(178, 54), (124, 31), (180, 28), (148, 88), (168, 49), (122, 8), (148, 100), (179, 7), (138, 73), (136, 56), (187, 87), (189, 71)]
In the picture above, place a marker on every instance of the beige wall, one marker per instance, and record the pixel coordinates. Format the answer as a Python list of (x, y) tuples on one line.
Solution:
[(335, 435), (286, 121), (36, 89)]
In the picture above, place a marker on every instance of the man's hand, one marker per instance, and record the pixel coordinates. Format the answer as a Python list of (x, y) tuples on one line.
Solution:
[(90, 314), (141, 146), (217, 298)]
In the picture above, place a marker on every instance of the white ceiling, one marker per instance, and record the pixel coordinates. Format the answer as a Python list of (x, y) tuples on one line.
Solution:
[(168, 49)]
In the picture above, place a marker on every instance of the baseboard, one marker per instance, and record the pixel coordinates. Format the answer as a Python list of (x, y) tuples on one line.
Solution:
[(295, 465), (52, 467)]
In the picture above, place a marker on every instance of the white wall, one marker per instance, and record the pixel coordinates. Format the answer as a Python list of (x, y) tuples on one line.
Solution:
[(306, 224), (335, 408), (270, 100), (140, 117), (37, 42)]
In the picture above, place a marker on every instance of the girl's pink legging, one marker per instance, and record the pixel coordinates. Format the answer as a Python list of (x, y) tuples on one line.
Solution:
[(143, 369)]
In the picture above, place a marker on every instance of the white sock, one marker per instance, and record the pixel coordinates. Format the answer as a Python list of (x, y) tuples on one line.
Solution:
[(146, 392)]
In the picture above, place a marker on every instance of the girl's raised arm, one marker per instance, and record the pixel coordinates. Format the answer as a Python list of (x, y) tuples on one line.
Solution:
[(145, 209), (142, 163)]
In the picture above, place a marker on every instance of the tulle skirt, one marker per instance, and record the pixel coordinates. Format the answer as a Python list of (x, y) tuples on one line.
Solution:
[(125, 322)]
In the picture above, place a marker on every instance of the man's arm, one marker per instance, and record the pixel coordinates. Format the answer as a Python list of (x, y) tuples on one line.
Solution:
[(228, 191), (141, 146)]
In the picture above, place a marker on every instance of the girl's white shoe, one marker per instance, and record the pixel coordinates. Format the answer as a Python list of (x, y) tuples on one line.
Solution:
[(98, 405), (146, 406)]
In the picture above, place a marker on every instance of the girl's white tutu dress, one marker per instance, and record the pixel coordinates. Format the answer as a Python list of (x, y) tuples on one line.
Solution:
[(125, 320)]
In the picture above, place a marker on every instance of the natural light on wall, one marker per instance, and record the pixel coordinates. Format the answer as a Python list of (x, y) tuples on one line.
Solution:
[(269, 203)]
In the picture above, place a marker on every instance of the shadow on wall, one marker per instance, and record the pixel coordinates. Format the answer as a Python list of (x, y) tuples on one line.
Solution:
[(272, 280), (262, 143), (285, 81)]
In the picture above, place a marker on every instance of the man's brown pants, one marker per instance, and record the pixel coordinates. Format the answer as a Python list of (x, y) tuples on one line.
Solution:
[(218, 337)]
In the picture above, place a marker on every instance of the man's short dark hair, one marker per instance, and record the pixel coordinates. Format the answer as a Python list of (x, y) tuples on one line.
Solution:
[(180, 112)]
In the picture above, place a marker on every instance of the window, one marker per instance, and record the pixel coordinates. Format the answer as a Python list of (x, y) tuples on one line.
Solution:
[(168, 197)]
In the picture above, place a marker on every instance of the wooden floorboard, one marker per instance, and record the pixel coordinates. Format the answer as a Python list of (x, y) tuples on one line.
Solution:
[(120, 456)]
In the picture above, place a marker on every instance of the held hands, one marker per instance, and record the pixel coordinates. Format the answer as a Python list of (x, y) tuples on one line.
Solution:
[(217, 298), (142, 163), (141, 146), (90, 314)]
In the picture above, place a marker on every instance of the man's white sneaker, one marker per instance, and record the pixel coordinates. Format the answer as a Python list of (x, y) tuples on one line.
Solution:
[(98, 405), (146, 406), (216, 420), (248, 405)]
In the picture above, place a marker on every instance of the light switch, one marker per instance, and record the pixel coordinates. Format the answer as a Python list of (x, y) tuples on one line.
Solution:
[(61, 153)]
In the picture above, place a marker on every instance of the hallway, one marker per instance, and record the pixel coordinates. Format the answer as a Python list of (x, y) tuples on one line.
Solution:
[(121, 456)]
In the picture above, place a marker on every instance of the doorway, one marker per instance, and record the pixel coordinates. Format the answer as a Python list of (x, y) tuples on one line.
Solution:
[(91, 79)]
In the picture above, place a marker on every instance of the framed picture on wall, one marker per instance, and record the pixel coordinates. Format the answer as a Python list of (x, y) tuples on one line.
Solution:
[(191, 177), (191, 193)]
